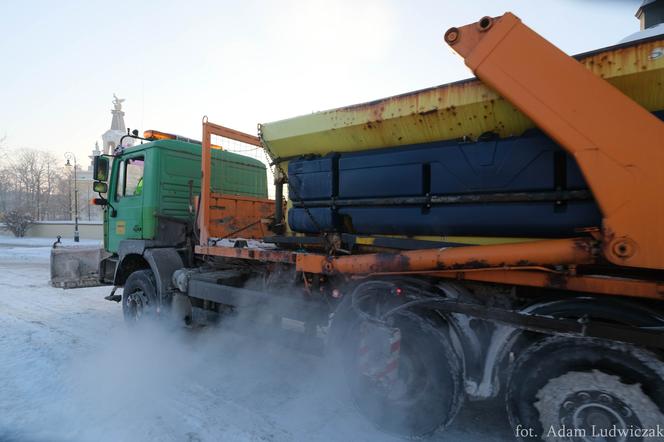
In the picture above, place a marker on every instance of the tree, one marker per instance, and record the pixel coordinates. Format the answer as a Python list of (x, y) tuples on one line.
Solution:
[(35, 181), (18, 222), (34, 177)]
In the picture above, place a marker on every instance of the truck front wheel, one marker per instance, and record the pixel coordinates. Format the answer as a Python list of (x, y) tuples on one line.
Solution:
[(139, 296), (585, 387)]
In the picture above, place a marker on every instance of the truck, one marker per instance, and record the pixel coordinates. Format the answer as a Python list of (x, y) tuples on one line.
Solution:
[(498, 237)]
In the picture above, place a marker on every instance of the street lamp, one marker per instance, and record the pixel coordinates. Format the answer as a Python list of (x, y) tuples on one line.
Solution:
[(70, 156)]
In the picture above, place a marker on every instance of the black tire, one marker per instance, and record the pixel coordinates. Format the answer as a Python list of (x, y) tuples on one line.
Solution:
[(139, 296), (574, 383), (434, 393)]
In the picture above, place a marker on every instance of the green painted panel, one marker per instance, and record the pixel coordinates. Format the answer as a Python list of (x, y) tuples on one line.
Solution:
[(171, 175)]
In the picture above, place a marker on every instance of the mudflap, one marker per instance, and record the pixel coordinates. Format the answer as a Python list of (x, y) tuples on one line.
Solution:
[(75, 267), (378, 353)]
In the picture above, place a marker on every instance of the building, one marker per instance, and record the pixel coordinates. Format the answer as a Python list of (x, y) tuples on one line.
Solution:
[(111, 138), (84, 176)]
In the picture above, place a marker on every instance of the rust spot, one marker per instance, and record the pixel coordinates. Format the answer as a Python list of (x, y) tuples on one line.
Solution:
[(328, 267), (557, 280), (472, 264), (585, 245), (390, 261), (525, 263), (432, 111), (476, 264)]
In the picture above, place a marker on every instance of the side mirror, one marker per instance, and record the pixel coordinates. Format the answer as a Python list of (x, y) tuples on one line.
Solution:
[(100, 187), (100, 169)]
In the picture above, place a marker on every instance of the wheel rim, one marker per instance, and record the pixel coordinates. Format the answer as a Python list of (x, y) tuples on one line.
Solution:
[(594, 406), (136, 303), (593, 409)]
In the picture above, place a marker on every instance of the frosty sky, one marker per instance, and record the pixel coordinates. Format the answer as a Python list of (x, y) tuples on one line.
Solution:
[(242, 62)]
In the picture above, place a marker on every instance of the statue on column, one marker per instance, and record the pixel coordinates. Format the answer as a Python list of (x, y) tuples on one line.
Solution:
[(117, 102), (111, 138)]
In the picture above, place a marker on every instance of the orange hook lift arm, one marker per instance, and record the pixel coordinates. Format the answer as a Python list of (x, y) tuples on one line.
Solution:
[(618, 145)]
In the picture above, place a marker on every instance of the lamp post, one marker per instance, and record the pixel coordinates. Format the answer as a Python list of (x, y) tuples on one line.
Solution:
[(69, 157)]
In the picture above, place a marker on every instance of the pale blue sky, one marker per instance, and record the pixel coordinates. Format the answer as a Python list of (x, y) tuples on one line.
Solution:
[(242, 62)]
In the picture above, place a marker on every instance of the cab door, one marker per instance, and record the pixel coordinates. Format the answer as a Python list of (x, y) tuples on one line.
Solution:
[(127, 201)]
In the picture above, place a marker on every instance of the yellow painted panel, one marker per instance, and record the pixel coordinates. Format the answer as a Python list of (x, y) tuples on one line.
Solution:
[(463, 109)]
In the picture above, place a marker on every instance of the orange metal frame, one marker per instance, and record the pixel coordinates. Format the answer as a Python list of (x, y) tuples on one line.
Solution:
[(522, 264), (501, 256), (618, 145), (209, 129), (563, 280)]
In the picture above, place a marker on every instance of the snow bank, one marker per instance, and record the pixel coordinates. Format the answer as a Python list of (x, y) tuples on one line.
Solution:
[(33, 250), (6, 240)]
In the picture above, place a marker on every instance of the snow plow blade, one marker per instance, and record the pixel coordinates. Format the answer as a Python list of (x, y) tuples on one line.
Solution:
[(74, 267)]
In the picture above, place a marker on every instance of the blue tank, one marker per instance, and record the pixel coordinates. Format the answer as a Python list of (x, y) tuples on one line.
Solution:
[(519, 186)]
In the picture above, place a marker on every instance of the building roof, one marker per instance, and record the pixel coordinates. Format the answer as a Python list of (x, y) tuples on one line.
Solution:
[(644, 4)]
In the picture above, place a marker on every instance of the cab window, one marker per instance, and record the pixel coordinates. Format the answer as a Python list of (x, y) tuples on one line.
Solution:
[(130, 178)]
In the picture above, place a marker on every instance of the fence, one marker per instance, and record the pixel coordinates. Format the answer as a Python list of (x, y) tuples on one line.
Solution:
[(51, 229)]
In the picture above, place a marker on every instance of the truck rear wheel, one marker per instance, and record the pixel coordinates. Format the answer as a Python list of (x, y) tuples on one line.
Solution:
[(585, 386), (412, 394), (139, 296)]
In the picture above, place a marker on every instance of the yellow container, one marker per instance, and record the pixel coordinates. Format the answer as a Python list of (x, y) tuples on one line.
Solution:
[(465, 108)]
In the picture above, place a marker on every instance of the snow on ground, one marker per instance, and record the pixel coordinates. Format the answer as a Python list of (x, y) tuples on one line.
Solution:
[(71, 370), (34, 249)]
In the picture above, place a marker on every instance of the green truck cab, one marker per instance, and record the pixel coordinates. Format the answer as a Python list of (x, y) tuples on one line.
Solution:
[(149, 191), (157, 181)]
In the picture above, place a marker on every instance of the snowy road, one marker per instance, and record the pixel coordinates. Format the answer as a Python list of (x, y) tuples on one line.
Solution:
[(71, 371)]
